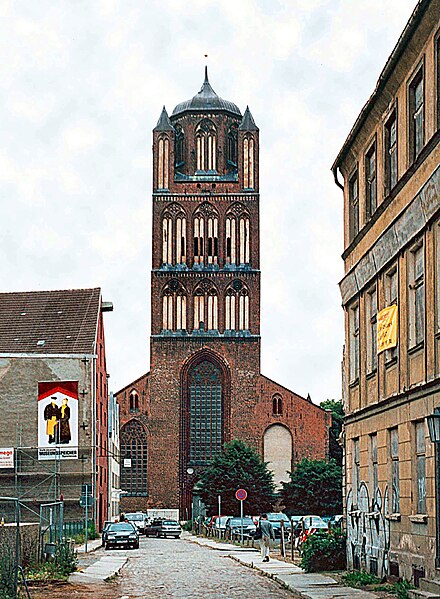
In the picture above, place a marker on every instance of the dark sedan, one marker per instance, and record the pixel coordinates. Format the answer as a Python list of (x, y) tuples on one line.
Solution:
[(121, 534)]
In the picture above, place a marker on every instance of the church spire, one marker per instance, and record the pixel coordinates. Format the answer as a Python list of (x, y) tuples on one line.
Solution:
[(248, 123), (164, 123)]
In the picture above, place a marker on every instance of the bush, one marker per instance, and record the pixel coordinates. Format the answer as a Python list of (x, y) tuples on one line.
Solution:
[(188, 526), (359, 578), (324, 551), (65, 559)]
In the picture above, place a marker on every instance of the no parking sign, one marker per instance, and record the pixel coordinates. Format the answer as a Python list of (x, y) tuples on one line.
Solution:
[(241, 495)]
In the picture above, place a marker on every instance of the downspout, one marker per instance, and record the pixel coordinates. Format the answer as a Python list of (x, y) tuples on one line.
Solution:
[(94, 446)]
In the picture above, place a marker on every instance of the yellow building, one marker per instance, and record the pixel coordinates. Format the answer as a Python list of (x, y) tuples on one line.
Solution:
[(389, 164)]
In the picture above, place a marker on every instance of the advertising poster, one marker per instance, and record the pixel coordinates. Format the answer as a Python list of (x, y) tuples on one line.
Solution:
[(6, 457), (387, 328), (58, 420)]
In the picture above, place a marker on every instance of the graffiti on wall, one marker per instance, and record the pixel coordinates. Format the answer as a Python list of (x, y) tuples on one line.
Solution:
[(368, 530)]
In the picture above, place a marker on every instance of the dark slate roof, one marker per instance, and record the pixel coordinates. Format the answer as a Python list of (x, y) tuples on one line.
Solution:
[(248, 123), (49, 322), (206, 100), (164, 123)]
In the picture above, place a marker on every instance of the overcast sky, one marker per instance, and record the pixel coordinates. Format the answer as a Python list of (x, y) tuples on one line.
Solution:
[(82, 85)]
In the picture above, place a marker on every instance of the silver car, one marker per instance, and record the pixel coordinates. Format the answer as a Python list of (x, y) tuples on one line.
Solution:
[(170, 528)]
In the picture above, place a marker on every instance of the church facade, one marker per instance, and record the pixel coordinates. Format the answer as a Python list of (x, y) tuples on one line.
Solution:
[(204, 387)]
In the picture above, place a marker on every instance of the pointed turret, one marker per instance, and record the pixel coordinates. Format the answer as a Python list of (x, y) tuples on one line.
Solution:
[(248, 123), (164, 123)]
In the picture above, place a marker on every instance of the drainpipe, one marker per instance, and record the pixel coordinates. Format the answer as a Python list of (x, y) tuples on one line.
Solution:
[(94, 446)]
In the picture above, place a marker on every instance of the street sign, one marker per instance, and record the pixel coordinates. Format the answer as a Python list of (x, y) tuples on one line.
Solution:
[(86, 501), (241, 495)]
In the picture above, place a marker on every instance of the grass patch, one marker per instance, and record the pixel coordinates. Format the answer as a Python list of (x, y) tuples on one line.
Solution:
[(361, 579)]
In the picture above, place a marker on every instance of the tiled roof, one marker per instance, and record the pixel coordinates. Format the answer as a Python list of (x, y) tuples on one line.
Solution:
[(49, 322)]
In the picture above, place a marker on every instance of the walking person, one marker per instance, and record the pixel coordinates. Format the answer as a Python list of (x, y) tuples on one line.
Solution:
[(267, 537)]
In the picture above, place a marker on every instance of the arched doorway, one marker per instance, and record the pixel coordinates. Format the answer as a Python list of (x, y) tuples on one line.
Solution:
[(278, 452)]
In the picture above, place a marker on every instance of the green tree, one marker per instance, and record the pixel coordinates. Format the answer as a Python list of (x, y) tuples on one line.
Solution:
[(238, 466), (315, 487), (335, 405)]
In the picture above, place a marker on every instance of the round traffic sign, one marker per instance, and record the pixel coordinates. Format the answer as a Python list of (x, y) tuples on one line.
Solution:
[(241, 494)]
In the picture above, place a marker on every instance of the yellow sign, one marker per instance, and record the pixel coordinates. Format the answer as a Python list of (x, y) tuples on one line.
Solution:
[(387, 328)]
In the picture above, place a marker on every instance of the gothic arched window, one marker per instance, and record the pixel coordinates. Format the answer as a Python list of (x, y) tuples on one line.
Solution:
[(237, 235), (206, 146), (277, 405), (134, 401), (174, 307), (248, 162), (206, 235), (206, 413), (237, 307), (174, 235), (134, 459), (179, 149), (205, 307), (163, 163), (232, 150)]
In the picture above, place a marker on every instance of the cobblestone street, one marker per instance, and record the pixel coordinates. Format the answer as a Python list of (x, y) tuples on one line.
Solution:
[(178, 568)]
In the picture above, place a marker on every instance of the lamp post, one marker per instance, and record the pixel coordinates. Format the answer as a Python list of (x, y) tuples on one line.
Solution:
[(433, 421)]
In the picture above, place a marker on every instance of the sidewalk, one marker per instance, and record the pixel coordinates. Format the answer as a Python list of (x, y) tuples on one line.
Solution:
[(100, 570), (311, 586)]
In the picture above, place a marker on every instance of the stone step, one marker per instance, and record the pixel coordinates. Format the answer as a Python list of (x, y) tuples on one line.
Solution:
[(419, 594), (433, 586)]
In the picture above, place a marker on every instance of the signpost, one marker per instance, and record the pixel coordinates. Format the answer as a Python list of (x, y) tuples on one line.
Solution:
[(86, 501), (241, 495)]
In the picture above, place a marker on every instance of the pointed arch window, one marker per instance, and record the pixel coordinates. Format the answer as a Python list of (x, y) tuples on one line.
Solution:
[(237, 307), (206, 307), (163, 163), (174, 304), (179, 149), (206, 146), (232, 149), (174, 236), (248, 162), (134, 401), (206, 412), (237, 236), (206, 235), (277, 405), (133, 459)]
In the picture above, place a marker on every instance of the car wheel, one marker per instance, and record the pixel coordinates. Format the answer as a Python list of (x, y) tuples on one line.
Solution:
[(136, 546), (106, 546)]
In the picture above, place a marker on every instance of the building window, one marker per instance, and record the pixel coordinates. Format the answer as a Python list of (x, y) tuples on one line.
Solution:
[(420, 467), (167, 240), (206, 235), (248, 163), (373, 464), (370, 181), (371, 328), (391, 152), (163, 163), (206, 421), (179, 149), (237, 250), (134, 401), (277, 405), (212, 310), (437, 273), (437, 76), (416, 296), (230, 241), (356, 471), (244, 241), (353, 202), (416, 115), (391, 298), (174, 236), (395, 480), (134, 459), (206, 143), (180, 240), (174, 307), (212, 240), (206, 307), (237, 298), (231, 158), (354, 342)]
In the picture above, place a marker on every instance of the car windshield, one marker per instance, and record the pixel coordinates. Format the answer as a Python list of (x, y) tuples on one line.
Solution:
[(120, 527), (278, 518), (170, 522), (237, 521), (134, 517), (221, 520), (315, 522)]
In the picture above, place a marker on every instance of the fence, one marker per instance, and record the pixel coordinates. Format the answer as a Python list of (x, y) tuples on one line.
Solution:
[(76, 527)]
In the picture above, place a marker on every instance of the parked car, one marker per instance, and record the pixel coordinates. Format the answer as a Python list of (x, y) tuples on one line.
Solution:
[(169, 528), (152, 528), (121, 534), (306, 526), (275, 518), (219, 525), (138, 519), (233, 526)]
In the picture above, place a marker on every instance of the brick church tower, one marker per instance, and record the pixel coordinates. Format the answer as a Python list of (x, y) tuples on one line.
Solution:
[(204, 387), (205, 306)]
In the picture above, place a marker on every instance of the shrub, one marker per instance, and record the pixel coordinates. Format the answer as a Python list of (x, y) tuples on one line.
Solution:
[(65, 559), (324, 551), (359, 578)]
